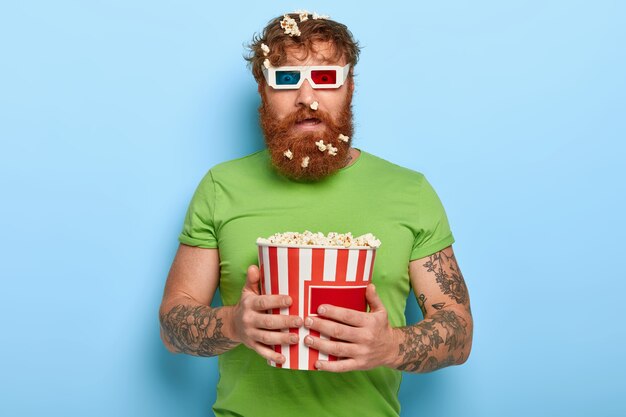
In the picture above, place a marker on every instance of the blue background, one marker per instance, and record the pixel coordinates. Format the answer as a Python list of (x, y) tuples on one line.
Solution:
[(112, 111)]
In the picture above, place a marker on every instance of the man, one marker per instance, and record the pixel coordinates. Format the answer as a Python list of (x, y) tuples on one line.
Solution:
[(310, 178)]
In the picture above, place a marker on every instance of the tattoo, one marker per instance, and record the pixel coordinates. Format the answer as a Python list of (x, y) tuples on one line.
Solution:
[(420, 340), (421, 301), (432, 364), (452, 283), (196, 330)]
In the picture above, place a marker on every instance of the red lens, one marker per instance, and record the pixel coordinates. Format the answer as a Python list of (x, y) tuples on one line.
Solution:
[(324, 76)]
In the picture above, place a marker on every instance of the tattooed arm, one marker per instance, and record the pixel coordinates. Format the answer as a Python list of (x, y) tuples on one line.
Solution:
[(366, 340), (189, 325), (444, 337)]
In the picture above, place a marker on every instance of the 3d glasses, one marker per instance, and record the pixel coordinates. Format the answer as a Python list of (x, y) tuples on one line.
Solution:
[(292, 77)]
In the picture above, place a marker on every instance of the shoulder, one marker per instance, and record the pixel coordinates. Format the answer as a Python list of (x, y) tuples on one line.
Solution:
[(385, 170), (235, 170), (249, 168), (249, 162)]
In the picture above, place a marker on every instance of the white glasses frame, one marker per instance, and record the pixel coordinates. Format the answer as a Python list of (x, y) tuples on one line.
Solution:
[(270, 76)]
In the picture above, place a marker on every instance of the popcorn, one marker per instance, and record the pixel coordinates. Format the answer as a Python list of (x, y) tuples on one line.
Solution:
[(303, 14), (288, 154), (334, 239), (265, 48), (305, 162), (320, 16), (320, 145), (290, 26), (266, 63), (343, 138), (314, 105), (331, 149)]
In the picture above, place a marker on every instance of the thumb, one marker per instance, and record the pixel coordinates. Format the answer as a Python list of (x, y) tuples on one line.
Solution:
[(253, 277), (373, 300)]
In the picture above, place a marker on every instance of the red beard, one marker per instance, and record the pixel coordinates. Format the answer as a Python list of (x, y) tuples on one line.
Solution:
[(279, 138)]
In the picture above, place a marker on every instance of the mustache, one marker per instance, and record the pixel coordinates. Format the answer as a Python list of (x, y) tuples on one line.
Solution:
[(304, 113)]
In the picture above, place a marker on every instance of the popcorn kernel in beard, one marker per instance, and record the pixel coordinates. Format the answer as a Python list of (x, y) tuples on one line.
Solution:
[(278, 138), (343, 138), (331, 149), (305, 162), (320, 145), (288, 154)]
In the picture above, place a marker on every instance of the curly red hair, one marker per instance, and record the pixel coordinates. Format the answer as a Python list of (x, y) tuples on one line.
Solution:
[(311, 31)]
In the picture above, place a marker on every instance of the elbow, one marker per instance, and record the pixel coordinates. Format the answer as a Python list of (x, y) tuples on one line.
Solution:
[(467, 348), (165, 338), (169, 346)]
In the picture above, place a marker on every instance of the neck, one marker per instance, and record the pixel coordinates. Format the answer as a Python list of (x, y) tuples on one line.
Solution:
[(353, 155)]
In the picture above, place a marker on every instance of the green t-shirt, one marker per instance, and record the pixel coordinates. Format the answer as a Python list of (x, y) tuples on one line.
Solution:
[(241, 200)]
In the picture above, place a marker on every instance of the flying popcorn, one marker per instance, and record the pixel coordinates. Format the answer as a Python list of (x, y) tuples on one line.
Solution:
[(265, 48), (288, 154), (320, 145), (331, 149), (305, 162), (343, 138), (314, 105), (290, 26)]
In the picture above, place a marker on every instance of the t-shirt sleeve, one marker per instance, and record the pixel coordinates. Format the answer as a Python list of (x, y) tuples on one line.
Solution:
[(199, 227), (433, 231)]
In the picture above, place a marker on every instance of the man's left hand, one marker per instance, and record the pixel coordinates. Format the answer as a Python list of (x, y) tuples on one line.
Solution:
[(366, 340)]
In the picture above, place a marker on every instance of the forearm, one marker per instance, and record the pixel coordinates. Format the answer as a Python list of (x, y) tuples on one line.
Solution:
[(196, 329), (438, 341)]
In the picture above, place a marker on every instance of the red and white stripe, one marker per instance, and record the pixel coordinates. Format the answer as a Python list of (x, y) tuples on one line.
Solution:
[(296, 271)]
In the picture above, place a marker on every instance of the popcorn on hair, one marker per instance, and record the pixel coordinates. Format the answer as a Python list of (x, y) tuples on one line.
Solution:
[(290, 26), (303, 14), (315, 28), (320, 16)]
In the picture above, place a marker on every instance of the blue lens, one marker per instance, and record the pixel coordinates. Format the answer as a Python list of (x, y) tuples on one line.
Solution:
[(287, 77)]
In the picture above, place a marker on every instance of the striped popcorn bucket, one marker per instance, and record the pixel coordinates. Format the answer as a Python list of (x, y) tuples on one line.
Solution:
[(313, 275)]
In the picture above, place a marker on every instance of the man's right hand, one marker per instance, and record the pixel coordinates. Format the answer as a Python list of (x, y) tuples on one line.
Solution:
[(252, 326)]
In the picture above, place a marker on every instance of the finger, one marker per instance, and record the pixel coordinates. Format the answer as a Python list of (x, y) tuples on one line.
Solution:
[(276, 321), (343, 315), (341, 365), (373, 299), (252, 280), (270, 338), (268, 353), (331, 347), (332, 329), (268, 302)]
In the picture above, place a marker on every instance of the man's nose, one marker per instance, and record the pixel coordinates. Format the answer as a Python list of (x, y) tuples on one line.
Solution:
[(306, 94)]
